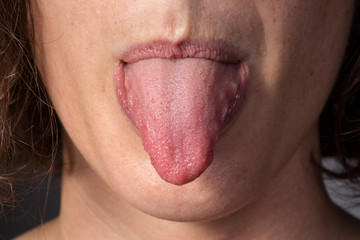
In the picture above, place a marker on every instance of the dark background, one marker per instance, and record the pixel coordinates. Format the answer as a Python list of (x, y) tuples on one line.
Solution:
[(32, 208)]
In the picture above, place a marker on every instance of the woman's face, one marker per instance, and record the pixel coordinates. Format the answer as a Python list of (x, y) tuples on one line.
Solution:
[(292, 50)]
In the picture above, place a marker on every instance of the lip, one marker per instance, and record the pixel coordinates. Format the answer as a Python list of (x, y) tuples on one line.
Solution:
[(218, 52), (163, 49)]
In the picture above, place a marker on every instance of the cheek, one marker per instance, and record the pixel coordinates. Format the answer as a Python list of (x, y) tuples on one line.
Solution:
[(305, 43), (72, 56), (304, 46)]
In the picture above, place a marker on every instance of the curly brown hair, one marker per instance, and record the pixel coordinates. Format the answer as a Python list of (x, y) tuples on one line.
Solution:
[(29, 128), (340, 119), (28, 124)]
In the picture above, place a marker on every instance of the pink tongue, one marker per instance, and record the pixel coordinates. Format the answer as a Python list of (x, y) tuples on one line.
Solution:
[(179, 107)]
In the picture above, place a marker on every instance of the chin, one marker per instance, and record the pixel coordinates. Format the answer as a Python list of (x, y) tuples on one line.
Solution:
[(221, 190)]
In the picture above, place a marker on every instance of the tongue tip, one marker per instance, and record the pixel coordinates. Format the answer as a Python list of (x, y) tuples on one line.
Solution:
[(180, 179), (182, 175)]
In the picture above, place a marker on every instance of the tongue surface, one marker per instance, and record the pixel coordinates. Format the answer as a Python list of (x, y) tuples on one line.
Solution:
[(179, 107)]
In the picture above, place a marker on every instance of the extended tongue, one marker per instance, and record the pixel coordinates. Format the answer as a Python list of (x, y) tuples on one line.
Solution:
[(179, 106)]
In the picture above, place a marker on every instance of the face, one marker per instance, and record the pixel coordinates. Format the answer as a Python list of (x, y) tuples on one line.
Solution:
[(291, 49)]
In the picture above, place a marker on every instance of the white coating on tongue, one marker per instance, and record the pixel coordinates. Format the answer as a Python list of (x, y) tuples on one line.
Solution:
[(179, 107)]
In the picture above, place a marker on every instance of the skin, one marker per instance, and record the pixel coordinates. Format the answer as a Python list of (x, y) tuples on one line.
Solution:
[(261, 185)]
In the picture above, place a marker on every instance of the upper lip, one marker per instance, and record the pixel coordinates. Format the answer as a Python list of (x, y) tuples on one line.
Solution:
[(218, 52)]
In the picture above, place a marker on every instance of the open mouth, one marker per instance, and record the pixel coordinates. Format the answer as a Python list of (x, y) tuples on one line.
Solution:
[(180, 97)]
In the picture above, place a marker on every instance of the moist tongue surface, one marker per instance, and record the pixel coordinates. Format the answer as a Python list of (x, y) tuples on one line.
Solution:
[(179, 107)]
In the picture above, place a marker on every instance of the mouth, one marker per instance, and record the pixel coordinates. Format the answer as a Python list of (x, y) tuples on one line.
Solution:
[(180, 97)]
